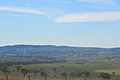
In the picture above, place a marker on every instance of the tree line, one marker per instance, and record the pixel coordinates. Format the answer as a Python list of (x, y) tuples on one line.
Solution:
[(44, 73)]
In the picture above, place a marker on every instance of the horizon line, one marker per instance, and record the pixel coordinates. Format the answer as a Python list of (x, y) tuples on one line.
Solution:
[(56, 45)]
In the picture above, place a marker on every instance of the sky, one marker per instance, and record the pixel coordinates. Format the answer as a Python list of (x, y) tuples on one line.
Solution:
[(82, 23)]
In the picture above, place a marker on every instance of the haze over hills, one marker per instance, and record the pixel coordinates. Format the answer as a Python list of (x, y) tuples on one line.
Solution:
[(52, 50)]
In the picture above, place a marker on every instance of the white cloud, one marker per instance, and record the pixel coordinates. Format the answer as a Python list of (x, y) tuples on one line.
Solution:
[(22, 10), (16, 15), (99, 1), (89, 17)]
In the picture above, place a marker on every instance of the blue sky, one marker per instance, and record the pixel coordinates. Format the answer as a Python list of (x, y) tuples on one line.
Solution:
[(83, 23)]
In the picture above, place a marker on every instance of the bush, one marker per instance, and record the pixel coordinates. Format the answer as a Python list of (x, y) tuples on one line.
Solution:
[(105, 75)]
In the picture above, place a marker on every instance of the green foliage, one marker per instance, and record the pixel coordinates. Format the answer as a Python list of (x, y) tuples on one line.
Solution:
[(105, 75), (24, 71), (5, 69)]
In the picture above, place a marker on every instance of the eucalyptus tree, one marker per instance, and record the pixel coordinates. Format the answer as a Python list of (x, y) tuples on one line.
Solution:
[(65, 75), (24, 71), (5, 70), (54, 69), (43, 73), (72, 74), (18, 68), (105, 75), (35, 71)]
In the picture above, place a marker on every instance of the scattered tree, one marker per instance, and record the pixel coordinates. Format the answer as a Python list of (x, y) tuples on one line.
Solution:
[(24, 71), (18, 68), (65, 75), (105, 75), (86, 73), (113, 73), (43, 73), (5, 70), (72, 74)]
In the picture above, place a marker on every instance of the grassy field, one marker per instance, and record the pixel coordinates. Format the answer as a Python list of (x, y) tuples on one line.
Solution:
[(42, 78), (82, 67), (94, 66)]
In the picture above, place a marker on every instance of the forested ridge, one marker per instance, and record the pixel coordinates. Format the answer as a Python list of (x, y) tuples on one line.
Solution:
[(50, 50)]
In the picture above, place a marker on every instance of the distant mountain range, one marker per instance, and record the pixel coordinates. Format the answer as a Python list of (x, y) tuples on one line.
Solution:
[(51, 50)]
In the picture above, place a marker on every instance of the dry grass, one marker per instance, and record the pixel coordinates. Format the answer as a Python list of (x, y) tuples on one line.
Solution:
[(42, 78)]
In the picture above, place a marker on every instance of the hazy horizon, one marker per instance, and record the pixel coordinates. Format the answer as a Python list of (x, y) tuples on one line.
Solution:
[(57, 45)]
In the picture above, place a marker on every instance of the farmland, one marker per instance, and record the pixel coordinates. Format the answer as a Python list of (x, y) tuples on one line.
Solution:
[(94, 64), (73, 68)]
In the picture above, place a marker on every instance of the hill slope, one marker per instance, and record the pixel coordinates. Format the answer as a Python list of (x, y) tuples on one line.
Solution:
[(51, 50)]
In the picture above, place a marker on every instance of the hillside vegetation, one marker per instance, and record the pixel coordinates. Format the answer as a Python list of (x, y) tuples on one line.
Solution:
[(51, 50)]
